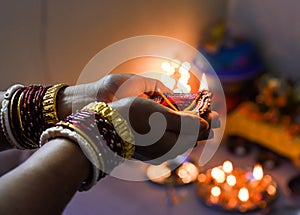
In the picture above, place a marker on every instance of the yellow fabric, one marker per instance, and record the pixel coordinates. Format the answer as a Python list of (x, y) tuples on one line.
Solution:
[(272, 136)]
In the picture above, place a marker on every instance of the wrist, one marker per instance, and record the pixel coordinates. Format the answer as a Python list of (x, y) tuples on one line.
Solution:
[(73, 98), (64, 102)]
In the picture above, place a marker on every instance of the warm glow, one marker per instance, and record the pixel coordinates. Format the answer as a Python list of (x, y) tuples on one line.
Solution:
[(203, 84), (201, 177), (158, 173), (218, 174), (175, 63), (215, 191), (227, 167), (231, 180), (271, 190), (243, 194), (168, 81), (166, 66), (188, 172), (176, 81), (258, 173), (232, 203), (185, 176), (240, 191)]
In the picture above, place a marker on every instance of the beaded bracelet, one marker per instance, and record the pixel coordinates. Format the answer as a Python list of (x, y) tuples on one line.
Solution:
[(25, 113)]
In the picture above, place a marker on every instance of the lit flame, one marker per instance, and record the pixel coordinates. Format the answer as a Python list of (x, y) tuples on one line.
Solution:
[(243, 194), (227, 167), (231, 180), (215, 191), (258, 173), (218, 175), (203, 84)]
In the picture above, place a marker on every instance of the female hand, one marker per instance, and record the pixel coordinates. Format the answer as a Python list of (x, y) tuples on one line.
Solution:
[(161, 133), (110, 88)]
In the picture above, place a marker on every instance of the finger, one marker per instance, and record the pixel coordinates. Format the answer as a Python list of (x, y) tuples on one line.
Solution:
[(214, 120), (168, 147), (205, 135), (209, 135), (179, 117)]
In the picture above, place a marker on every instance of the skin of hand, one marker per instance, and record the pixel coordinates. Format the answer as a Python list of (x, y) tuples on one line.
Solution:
[(172, 132), (109, 88), (122, 90), (45, 182), (25, 185)]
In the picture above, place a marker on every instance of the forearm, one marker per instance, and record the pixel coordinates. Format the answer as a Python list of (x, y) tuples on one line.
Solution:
[(46, 182)]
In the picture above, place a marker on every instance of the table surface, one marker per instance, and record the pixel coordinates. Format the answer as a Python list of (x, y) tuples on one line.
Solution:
[(115, 196)]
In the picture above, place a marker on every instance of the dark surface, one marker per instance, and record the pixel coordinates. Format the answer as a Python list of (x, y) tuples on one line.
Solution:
[(115, 196)]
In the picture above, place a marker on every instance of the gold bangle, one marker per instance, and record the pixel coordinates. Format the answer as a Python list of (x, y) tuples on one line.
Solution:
[(49, 104), (118, 122), (17, 128)]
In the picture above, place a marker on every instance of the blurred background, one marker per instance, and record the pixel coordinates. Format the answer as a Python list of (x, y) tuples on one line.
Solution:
[(252, 45), (51, 41)]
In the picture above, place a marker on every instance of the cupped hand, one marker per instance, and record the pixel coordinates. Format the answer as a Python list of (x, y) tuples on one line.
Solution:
[(109, 88), (161, 133), (117, 86)]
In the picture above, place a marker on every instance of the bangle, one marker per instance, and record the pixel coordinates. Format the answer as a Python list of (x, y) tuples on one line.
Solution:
[(25, 139), (49, 104), (98, 162), (24, 113), (60, 131), (5, 116), (102, 134), (119, 123)]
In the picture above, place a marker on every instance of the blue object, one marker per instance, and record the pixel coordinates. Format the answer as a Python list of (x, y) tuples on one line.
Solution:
[(237, 62)]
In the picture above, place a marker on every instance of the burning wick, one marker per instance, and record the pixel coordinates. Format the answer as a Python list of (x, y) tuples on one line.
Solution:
[(203, 84)]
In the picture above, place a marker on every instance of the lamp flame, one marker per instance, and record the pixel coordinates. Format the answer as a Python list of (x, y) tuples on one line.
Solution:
[(258, 172), (203, 84), (215, 191), (218, 175), (227, 166), (243, 194)]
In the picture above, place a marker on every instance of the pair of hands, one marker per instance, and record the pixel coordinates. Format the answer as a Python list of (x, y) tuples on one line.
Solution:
[(160, 133)]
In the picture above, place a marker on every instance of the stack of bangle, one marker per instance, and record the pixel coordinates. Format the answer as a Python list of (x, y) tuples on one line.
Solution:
[(102, 134), (26, 112)]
